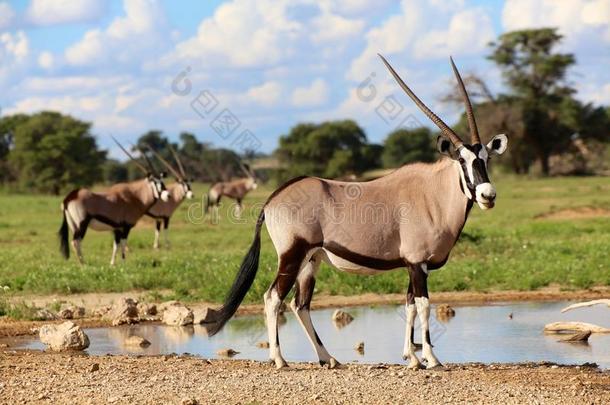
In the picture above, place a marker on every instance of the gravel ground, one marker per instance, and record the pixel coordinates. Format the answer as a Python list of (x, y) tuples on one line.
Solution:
[(35, 377)]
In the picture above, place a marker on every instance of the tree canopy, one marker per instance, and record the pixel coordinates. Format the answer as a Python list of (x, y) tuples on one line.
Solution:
[(404, 146), (52, 152)]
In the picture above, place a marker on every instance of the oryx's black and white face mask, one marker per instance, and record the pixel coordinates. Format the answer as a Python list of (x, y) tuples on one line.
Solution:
[(158, 187), (473, 161)]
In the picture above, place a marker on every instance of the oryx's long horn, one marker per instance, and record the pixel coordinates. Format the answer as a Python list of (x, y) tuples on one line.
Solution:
[(150, 165), (245, 169), (177, 159), (472, 124), (165, 162), (141, 166), (453, 137)]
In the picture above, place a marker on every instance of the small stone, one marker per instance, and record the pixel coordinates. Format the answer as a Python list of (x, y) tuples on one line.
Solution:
[(146, 310), (44, 315), (444, 312), (262, 345), (204, 315), (177, 315), (189, 401), (66, 336), (226, 352), (580, 337), (101, 311), (65, 313), (94, 367), (341, 318), (359, 348), (136, 341), (124, 311)]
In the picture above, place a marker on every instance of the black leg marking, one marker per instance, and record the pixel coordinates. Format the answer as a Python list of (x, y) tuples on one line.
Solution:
[(79, 234), (165, 222), (158, 223)]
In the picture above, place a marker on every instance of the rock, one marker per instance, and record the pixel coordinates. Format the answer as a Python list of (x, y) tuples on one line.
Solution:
[(66, 336), (341, 318), (262, 345), (557, 327), (204, 315), (147, 309), (124, 311), (136, 341), (4, 345), (162, 307), (44, 315), (78, 312), (226, 352), (580, 337), (101, 311), (359, 348), (444, 312), (177, 315), (189, 401), (65, 313), (94, 367)]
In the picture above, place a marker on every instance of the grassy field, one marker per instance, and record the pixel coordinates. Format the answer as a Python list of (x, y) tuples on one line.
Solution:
[(511, 247)]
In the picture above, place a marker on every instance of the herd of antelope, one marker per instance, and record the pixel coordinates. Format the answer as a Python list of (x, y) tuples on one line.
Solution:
[(419, 213)]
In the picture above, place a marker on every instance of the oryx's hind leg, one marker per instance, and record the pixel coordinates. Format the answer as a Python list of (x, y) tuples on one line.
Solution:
[(165, 231), (79, 234), (290, 264), (419, 278), (238, 209), (115, 245), (409, 348), (306, 281), (157, 232), (124, 235)]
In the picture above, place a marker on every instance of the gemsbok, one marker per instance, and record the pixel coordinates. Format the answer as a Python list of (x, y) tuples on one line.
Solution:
[(162, 211), (118, 209), (235, 189), (409, 219)]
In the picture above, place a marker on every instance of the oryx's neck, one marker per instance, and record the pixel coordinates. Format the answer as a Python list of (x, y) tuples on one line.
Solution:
[(142, 190)]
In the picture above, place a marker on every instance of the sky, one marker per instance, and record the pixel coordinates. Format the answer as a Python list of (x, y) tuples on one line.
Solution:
[(240, 73)]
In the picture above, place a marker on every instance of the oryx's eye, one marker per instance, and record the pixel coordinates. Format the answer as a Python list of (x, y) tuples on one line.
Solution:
[(461, 160)]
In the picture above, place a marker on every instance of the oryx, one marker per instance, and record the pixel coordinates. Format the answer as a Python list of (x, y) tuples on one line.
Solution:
[(235, 189), (162, 211), (409, 219), (117, 209)]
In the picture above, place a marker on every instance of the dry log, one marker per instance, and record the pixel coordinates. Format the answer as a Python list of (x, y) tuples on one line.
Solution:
[(574, 327), (587, 304)]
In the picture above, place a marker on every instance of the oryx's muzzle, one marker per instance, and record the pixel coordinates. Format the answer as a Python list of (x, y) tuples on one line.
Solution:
[(189, 194), (485, 195), (164, 195)]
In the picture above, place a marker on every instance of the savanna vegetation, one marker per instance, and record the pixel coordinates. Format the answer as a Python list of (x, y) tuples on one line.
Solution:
[(542, 232)]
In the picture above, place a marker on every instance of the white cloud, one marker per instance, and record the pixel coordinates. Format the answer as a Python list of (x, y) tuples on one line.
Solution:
[(53, 12), (133, 38), (268, 93), (469, 32), (392, 36), (45, 60), (573, 17), (332, 27), (6, 15), (14, 46), (313, 95), (243, 33), (354, 7)]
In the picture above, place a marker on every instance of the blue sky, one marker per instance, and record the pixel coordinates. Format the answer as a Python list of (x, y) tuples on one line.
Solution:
[(268, 64)]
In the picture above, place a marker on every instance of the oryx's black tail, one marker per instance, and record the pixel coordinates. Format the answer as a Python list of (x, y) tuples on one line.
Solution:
[(242, 283), (64, 248)]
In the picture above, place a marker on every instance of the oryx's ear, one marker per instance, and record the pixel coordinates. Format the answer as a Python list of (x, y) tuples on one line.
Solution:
[(497, 145), (445, 147), (163, 175)]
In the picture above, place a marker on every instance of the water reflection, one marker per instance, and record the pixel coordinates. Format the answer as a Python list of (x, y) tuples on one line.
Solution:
[(475, 334)]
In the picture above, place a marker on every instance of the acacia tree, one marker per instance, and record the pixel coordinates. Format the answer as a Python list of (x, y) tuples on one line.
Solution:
[(535, 74), (53, 152)]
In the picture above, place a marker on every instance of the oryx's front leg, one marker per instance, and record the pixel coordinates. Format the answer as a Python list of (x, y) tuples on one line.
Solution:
[(306, 282), (408, 351), (419, 278), (115, 246)]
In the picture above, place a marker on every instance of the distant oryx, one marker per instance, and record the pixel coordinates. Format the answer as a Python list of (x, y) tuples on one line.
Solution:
[(235, 189), (162, 211), (117, 209), (410, 218)]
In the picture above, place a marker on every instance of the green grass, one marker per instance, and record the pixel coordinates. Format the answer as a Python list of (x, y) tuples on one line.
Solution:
[(506, 248)]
